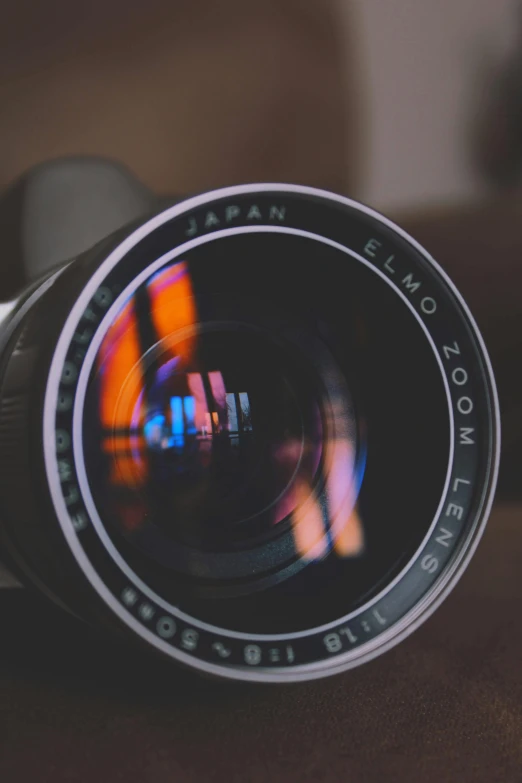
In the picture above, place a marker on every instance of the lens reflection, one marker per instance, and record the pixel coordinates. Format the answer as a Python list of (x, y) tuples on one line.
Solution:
[(221, 439), (228, 420)]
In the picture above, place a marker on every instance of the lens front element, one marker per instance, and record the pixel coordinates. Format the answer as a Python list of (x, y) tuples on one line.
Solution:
[(270, 433)]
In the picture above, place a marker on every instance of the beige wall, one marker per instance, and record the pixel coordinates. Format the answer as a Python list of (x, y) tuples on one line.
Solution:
[(421, 61)]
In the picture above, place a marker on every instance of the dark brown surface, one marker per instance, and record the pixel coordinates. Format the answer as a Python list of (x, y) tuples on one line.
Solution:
[(445, 706)]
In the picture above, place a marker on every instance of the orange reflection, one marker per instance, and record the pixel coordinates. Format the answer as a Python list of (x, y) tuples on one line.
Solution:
[(346, 526), (349, 539), (173, 307), (332, 523), (119, 352), (122, 405), (308, 526)]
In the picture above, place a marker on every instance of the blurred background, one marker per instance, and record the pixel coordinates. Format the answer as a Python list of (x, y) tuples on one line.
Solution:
[(411, 106), (403, 104)]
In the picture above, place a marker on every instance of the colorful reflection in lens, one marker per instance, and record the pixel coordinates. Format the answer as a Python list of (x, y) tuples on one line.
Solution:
[(149, 405), (328, 521)]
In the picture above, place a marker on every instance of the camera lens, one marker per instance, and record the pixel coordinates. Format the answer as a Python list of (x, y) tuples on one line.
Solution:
[(270, 432)]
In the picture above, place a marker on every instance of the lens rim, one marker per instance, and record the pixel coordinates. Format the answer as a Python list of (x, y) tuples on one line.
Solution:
[(463, 551)]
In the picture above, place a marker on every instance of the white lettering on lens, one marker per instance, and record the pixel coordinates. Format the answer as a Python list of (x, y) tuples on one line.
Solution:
[(90, 315), (428, 305), (277, 213), (221, 650), (409, 284), (444, 537), (166, 627), (352, 638), (69, 373), (129, 596), (64, 402), (448, 350), (63, 441), (192, 229), (454, 510), (231, 213), (429, 563), (64, 470), (459, 376), (465, 405), (252, 654), (72, 495), (254, 213), (83, 337), (459, 481), (79, 521), (380, 619), (274, 655), (465, 432), (146, 612), (388, 266), (189, 639), (290, 655), (371, 246), (365, 625), (333, 643), (211, 220), (103, 297)]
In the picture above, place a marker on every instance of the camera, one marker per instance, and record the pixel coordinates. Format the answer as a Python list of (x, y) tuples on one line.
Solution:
[(255, 429)]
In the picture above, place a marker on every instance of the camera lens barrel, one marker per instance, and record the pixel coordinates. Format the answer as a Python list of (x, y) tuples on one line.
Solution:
[(259, 433)]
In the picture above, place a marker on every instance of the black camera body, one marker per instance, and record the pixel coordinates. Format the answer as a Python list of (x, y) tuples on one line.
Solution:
[(256, 430)]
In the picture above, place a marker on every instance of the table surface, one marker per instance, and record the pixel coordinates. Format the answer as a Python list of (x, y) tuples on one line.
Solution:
[(443, 706)]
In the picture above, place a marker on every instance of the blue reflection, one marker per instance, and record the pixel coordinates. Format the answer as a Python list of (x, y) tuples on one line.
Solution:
[(189, 406), (153, 429), (178, 425)]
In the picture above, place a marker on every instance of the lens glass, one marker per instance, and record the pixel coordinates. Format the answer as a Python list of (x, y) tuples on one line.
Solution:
[(266, 432)]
